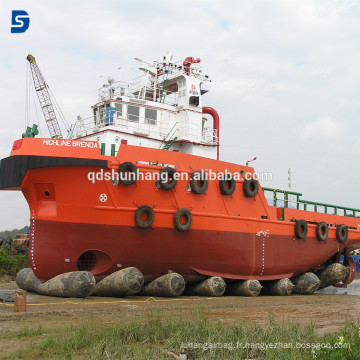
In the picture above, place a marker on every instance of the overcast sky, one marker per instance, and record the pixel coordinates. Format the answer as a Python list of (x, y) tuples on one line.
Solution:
[(285, 78)]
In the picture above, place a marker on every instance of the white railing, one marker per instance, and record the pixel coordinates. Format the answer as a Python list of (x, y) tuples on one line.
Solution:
[(209, 136), (184, 130), (177, 68), (137, 90)]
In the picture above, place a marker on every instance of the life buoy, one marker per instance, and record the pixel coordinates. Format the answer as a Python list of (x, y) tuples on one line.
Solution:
[(341, 233), (127, 173), (301, 229), (199, 182), (227, 187), (167, 179), (322, 231), (180, 216), (250, 187), (147, 212)]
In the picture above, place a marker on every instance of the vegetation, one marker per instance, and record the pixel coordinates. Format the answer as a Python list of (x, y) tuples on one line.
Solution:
[(11, 262), (10, 234), (11, 259), (161, 338)]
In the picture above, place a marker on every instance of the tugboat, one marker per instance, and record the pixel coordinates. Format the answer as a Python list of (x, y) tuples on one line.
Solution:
[(140, 184)]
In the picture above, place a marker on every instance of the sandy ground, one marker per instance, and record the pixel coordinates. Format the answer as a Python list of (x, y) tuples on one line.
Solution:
[(327, 312)]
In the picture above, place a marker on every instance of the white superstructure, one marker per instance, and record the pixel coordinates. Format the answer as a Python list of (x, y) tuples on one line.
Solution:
[(161, 109)]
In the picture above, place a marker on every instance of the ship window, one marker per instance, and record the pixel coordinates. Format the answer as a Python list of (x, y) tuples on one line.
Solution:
[(118, 108), (95, 116), (150, 116), (133, 113), (102, 113)]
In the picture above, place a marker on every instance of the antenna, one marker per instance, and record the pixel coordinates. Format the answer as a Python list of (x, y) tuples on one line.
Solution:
[(247, 163), (289, 179)]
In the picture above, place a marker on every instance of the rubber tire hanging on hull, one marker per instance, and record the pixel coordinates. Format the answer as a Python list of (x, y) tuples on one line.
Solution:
[(170, 175), (199, 176), (227, 190), (322, 231), (341, 233), (301, 229), (141, 210), (127, 168), (250, 187), (177, 219)]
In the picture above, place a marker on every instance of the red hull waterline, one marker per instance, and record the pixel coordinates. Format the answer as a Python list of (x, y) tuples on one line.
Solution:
[(74, 226), (157, 251)]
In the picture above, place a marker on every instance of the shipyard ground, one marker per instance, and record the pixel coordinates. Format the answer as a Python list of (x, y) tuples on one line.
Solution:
[(325, 312)]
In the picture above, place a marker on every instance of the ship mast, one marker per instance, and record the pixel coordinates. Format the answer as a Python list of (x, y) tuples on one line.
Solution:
[(44, 98)]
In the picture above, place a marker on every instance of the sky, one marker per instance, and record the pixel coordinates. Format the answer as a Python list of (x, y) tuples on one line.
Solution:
[(285, 78)]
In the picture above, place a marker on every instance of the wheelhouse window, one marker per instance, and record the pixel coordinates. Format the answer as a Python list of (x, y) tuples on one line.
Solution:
[(133, 113), (95, 116), (150, 116), (102, 113), (118, 108)]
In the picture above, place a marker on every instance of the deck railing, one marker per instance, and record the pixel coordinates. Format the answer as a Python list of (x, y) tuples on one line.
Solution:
[(143, 126), (136, 90), (304, 204)]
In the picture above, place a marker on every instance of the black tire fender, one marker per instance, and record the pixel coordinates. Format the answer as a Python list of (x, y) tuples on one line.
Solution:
[(199, 182), (227, 187), (301, 229), (170, 174), (341, 233), (322, 231), (149, 212), (178, 216), (127, 168), (250, 187)]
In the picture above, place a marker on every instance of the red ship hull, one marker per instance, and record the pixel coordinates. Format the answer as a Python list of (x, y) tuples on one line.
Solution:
[(195, 254), (90, 225)]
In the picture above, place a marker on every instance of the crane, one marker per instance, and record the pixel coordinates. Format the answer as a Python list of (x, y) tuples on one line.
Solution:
[(44, 98)]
